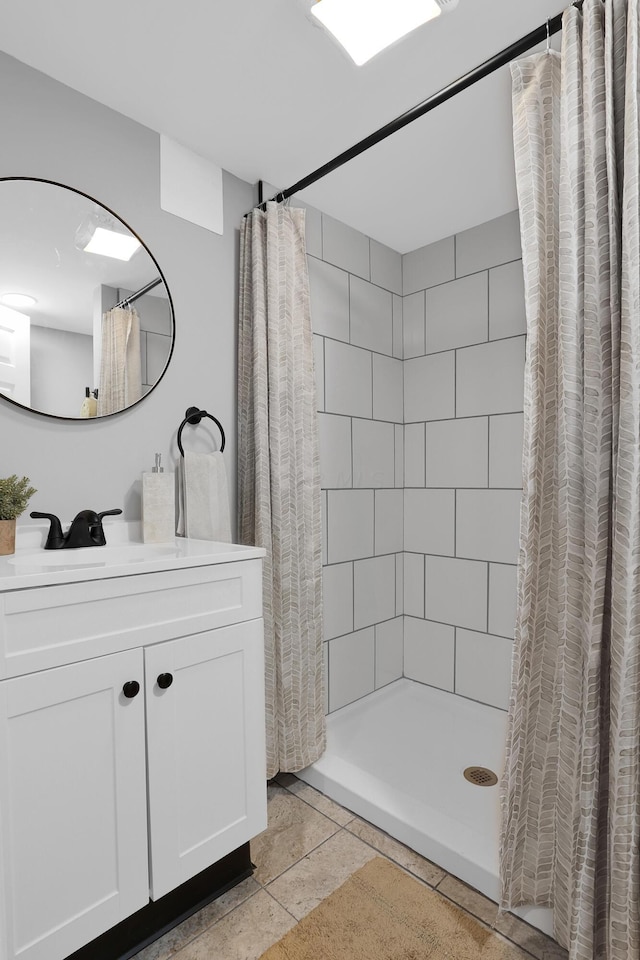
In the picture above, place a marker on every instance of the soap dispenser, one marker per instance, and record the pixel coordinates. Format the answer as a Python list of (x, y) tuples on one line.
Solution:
[(158, 505), (89, 406)]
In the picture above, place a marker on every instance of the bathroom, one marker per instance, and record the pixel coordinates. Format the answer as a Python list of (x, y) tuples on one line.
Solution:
[(419, 336)]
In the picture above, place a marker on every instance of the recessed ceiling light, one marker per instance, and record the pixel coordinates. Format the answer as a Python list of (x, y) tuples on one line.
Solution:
[(365, 27), (110, 243), (19, 300), (100, 233)]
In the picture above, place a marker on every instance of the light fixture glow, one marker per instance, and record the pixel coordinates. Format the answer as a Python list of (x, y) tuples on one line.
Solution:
[(365, 27), (20, 300), (109, 243)]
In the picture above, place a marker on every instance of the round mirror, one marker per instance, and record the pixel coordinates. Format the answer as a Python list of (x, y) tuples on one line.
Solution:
[(86, 318)]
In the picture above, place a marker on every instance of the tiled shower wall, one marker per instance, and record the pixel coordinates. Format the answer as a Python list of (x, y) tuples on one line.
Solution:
[(419, 363), (464, 350), (356, 303)]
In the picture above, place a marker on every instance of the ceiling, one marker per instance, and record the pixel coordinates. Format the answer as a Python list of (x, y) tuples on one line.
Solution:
[(258, 87)]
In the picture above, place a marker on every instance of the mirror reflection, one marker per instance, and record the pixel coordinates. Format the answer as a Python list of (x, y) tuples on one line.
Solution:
[(86, 321)]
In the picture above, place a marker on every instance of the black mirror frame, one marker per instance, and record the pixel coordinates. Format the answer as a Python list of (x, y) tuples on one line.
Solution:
[(54, 416)]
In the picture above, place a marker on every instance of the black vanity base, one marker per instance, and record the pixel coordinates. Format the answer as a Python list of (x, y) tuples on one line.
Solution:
[(142, 928)]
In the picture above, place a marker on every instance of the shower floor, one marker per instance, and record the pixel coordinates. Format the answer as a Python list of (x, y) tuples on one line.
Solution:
[(396, 758)]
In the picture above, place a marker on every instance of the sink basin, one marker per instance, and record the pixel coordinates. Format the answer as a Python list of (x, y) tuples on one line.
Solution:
[(95, 556)]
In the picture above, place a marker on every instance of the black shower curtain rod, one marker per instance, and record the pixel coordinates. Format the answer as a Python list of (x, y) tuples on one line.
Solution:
[(548, 29), (139, 293)]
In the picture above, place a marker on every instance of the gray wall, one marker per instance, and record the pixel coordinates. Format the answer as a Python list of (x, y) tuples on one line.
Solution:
[(54, 351), (53, 132)]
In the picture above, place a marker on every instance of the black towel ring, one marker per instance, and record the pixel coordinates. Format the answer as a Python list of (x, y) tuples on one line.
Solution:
[(193, 415)]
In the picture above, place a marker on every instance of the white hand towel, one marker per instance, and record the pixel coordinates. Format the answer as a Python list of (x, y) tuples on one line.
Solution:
[(204, 512)]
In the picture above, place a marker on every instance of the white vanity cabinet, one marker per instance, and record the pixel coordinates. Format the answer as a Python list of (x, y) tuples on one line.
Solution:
[(131, 745)]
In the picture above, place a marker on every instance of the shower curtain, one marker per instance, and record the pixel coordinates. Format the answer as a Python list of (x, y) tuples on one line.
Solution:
[(279, 476), (120, 367), (571, 803)]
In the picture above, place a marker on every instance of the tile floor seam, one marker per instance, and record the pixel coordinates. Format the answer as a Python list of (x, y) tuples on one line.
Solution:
[(280, 904), (200, 933), (304, 855), (397, 862), (317, 810)]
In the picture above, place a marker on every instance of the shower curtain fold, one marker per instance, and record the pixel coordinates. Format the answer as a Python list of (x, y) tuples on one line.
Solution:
[(279, 477), (120, 382), (571, 788)]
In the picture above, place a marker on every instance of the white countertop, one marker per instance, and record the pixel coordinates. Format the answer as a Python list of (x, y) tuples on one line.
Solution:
[(124, 555)]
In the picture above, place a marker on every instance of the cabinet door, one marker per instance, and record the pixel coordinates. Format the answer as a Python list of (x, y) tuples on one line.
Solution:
[(205, 748), (73, 831)]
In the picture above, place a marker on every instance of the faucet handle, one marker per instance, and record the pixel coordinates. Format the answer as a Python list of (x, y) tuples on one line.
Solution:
[(55, 539), (109, 513)]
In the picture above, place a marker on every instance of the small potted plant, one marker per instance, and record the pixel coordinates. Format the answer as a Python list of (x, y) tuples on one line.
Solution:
[(14, 497)]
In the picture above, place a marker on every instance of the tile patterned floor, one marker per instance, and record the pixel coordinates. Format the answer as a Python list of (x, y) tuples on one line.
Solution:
[(311, 846)]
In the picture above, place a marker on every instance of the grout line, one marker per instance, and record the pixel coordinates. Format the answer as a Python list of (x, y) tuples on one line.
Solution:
[(455, 655), (455, 626), (280, 904)]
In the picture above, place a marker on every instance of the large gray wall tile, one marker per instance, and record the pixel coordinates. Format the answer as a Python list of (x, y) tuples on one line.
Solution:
[(398, 333), (388, 392), (490, 378), (414, 344), (457, 453), (337, 590), (346, 247), (458, 313), (488, 524), (414, 584), (488, 244), (351, 667), (505, 450), (399, 435), (456, 592), (329, 292), (389, 651), (507, 316), (399, 584), (414, 455), (428, 266), (371, 316), (335, 450), (373, 453), (503, 590), (483, 667), (429, 521), (350, 525), (348, 379), (429, 653), (386, 267), (374, 590), (389, 525), (429, 387)]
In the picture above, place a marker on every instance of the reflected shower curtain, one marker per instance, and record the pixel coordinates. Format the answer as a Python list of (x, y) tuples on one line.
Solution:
[(571, 801), (120, 366), (279, 477)]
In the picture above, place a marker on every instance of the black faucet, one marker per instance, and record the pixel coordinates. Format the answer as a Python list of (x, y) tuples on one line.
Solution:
[(85, 531)]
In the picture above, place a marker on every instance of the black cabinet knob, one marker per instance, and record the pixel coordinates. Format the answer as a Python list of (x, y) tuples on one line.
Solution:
[(164, 680), (131, 689)]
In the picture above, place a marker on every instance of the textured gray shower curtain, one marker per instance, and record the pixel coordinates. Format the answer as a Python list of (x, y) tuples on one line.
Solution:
[(279, 476), (571, 789)]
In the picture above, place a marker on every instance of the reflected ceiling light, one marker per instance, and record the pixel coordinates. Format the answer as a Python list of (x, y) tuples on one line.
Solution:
[(103, 235), (365, 27), (19, 300)]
